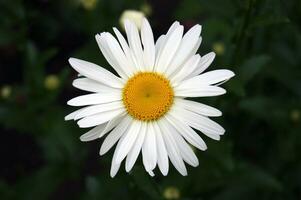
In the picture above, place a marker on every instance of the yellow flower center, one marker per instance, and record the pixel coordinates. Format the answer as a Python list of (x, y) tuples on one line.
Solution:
[(147, 96)]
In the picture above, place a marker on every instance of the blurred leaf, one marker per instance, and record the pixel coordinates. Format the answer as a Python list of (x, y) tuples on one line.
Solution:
[(251, 67), (266, 20)]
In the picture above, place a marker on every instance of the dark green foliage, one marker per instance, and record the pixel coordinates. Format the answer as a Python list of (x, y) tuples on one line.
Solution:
[(259, 156)]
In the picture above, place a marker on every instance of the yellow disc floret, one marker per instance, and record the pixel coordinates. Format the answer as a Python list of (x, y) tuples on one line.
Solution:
[(147, 96)]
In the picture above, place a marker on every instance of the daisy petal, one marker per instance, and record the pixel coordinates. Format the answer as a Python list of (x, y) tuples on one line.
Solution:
[(148, 44), (92, 99), (188, 133), (95, 72), (172, 148), (149, 152), (187, 69), (99, 118), (209, 78), (198, 108), (73, 114), (114, 167), (115, 135), (91, 110), (93, 133), (108, 54), (169, 49), (162, 156), (134, 152), (197, 46), (213, 136), (199, 122), (127, 140), (90, 85), (162, 39), (135, 42), (151, 173), (199, 91), (119, 55), (126, 49), (186, 48), (113, 123), (159, 43), (185, 150), (204, 63)]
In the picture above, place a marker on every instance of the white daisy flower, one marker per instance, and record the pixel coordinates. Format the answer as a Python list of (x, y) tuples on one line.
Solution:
[(144, 109)]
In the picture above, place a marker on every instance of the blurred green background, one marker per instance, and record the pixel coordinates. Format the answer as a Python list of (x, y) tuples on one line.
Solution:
[(259, 156)]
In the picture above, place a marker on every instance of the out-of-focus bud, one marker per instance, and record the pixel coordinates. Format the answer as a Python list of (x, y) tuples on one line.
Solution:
[(5, 91), (146, 9), (51, 82), (171, 192), (89, 4), (132, 15), (218, 48), (295, 115)]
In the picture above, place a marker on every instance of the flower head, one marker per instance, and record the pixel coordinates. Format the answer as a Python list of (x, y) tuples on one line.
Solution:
[(51, 82), (6, 91), (89, 4), (171, 192), (144, 109), (133, 15), (218, 48)]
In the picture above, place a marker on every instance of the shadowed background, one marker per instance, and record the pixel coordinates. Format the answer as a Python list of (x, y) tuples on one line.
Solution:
[(258, 157)]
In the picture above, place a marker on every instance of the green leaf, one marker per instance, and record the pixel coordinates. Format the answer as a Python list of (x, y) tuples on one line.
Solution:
[(266, 20), (252, 66)]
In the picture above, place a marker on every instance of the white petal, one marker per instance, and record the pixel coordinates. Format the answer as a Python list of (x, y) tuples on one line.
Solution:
[(185, 150), (188, 133), (159, 43), (93, 133), (199, 91), (127, 140), (148, 44), (162, 39), (173, 27), (134, 42), (113, 123), (134, 152), (73, 114), (151, 173), (172, 148), (204, 63), (169, 49), (126, 49), (114, 166), (91, 110), (137, 65), (208, 78), (97, 98), (213, 136), (95, 72), (199, 122), (92, 86), (198, 108), (115, 135), (197, 46), (186, 49), (119, 55), (187, 69), (100, 118), (149, 151), (162, 156), (108, 54)]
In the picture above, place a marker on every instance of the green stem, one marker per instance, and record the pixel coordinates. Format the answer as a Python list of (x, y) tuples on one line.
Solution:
[(243, 30)]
